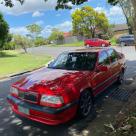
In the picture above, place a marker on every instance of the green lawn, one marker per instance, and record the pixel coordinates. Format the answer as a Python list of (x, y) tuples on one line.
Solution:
[(14, 62), (80, 43)]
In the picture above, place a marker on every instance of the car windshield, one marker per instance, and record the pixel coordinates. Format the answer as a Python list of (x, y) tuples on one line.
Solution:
[(74, 61)]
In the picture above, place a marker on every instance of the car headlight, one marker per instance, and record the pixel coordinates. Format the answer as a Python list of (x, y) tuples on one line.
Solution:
[(14, 91), (51, 100)]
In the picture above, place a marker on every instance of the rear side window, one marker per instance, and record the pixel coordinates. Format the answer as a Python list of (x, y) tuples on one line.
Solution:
[(113, 55), (103, 58)]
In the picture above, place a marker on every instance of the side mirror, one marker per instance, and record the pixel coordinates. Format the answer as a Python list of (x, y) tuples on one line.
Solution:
[(102, 68), (49, 63)]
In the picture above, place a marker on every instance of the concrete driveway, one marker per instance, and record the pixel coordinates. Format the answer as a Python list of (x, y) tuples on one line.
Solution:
[(107, 105)]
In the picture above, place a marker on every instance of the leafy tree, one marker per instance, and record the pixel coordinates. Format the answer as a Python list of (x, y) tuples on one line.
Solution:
[(9, 37), (125, 5), (40, 41), (56, 35), (9, 44), (34, 29), (22, 41), (4, 29), (113, 2), (86, 21), (129, 9), (63, 4)]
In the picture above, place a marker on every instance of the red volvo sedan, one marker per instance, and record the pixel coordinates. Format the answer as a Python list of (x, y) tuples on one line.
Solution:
[(68, 86), (96, 42)]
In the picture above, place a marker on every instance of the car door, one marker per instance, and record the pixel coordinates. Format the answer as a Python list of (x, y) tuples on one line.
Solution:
[(98, 42), (115, 66), (100, 80)]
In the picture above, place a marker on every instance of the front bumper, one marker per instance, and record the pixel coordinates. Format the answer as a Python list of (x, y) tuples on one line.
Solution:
[(46, 115)]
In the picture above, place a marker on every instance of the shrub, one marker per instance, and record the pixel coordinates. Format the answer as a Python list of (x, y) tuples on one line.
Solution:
[(113, 41), (9, 46), (40, 41)]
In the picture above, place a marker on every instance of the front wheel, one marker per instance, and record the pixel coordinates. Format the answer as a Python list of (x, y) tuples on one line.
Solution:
[(122, 44), (86, 105), (87, 46), (103, 45)]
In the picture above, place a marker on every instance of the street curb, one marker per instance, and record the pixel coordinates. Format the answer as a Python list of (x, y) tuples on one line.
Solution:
[(20, 73)]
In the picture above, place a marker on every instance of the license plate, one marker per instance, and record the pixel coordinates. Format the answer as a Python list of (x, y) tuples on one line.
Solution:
[(23, 110)]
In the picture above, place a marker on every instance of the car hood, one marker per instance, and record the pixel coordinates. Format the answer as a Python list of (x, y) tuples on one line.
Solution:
[(49, 78)]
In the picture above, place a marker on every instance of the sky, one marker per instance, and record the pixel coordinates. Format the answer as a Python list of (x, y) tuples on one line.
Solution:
[(44, 14)]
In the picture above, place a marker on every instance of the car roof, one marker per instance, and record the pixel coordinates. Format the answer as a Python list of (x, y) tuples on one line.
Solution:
[(91, 49)]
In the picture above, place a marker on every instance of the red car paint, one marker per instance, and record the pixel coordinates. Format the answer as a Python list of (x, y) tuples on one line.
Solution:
[(65, 83), (96, 42)]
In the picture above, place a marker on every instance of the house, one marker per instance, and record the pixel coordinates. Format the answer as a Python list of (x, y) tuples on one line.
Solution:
[(67, 34), (70, 38)]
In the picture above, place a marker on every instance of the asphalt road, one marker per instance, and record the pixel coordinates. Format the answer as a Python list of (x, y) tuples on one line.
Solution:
[(53, 51), (10, 125)]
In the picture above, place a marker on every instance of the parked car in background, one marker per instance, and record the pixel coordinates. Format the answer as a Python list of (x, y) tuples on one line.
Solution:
[(68, 86), (126, 40), (96, 42)]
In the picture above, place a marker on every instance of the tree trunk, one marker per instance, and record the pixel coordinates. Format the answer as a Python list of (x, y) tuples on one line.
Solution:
[(130, 30), (130, 27), (24, 48), (134, 6), (93, 33)]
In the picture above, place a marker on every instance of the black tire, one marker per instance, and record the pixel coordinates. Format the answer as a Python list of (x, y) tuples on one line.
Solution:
[(121, 78), (122, 44), (86, 105)]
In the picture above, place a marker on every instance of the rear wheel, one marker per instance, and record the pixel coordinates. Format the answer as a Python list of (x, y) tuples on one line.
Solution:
[(86, 105), (121, 78)]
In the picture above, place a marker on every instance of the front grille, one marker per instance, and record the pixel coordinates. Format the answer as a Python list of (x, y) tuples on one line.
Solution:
[(29, 96)]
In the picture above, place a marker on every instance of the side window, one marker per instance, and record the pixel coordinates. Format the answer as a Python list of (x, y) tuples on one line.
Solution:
[(113, 55), (104, 59)]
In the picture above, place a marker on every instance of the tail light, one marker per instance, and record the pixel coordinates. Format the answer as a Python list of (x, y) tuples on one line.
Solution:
[(51, 101)]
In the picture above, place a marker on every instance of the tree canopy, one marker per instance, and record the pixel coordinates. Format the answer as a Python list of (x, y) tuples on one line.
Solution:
[(4, 30), (113, 2), (63, 4), (128, 10), (56, 35), (86, 21), (22, 41), (34, 29)]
